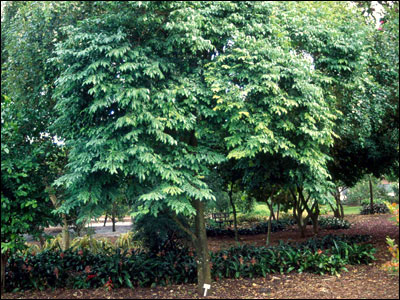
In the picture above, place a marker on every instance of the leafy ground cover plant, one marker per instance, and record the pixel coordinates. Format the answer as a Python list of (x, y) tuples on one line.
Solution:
[(84, 269), (393, 265), (333, 223), (262, 227), (279, 225)]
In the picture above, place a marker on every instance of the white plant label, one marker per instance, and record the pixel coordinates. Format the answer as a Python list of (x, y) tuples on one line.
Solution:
[(206, 287)]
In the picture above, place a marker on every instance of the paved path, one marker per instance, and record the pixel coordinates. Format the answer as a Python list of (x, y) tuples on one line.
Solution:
[(100, 230)]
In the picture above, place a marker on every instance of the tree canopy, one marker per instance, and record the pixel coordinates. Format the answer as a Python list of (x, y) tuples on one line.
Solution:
[(149, 99)]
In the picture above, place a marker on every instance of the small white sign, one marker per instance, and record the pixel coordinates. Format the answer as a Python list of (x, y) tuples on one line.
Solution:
[(206, 287)]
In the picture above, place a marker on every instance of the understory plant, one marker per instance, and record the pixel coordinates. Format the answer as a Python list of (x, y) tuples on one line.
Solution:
[(81, 268), (393, 265), (378, 208)]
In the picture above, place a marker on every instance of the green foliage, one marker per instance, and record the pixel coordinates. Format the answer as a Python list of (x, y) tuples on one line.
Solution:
[(25, 207), (333, 223), (83, 269), (251, 218), (369, 129), (330, 223), (259, 228), (328, 241), (30, 158), (378, 208), (125, 241), (360, 193), (151, 98), (159, 233)]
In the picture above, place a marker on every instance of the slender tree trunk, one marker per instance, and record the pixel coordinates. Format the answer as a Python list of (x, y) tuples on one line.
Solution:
[(269, 229), (113, 216), (271, 209), (341, 210), (56, 204), (113, 223), (65, 233), (42, 240), (371, 194), (338, 212), (314, 218), (234, 212), (312, 213), (105, 220), (277, 211), (203, 256), (298, 214), (200, 236), (335, 210), (4, 258), (302, 227)]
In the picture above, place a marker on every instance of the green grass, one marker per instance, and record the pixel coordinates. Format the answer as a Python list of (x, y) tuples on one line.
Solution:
[(261, 211), (348, 210)]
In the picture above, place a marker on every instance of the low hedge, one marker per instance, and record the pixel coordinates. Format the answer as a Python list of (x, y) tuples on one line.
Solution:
[(378, 208), (262, 227), (333, 223), (329, 241), (83, 269)]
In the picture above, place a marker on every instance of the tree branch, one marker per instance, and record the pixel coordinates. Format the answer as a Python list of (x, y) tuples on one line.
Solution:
[(185, 229)]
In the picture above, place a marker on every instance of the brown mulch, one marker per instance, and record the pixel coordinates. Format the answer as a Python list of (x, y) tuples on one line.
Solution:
[(362, 281)]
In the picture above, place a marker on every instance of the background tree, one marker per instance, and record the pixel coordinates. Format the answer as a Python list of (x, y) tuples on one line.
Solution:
[(25, 207), (29, 31)]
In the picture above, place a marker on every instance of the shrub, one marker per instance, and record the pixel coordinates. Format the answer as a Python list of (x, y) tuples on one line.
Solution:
[(259, 228), (252, 218), (378, 208), (333, 223), (361, 191), (329, 241), (393, 265), (376, 201), (158, 233)]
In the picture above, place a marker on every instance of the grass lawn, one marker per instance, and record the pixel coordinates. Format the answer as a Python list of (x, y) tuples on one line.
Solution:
[(261, 211), (348, 210)]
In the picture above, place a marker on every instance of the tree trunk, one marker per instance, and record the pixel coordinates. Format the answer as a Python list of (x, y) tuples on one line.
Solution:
[(56, 203), (341, 210), (271, 209), (298, 214), (312, 213), (4, 258), (277, 212), (269, 230), (302, 227), (42, 240), (234, 213), (105, 220), (203, 256), (338, 212), (314, 219), (200, 237), (113, 223), (65, 233), (113, 215), (371, 194)]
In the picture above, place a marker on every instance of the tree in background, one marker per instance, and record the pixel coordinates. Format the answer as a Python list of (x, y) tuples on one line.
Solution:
[(29, 31), (25, 207)]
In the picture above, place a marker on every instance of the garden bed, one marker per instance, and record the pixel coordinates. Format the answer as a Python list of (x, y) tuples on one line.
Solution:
[(362, 281)]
